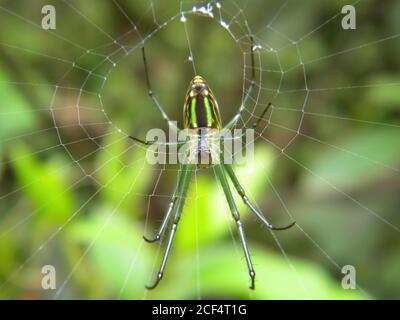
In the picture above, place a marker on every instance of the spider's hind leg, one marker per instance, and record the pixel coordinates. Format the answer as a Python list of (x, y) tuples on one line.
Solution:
[(168, 214), (242, 194), (164, 222), (220, 173), (183, 186)]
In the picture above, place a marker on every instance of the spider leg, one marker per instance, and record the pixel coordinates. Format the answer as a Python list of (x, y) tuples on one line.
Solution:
[(231, 124), (146, 143), (255, 124), (183, 186), (220, 173), (164, 222), (149, 143), (167, 215), (242, 194), (153, 97)]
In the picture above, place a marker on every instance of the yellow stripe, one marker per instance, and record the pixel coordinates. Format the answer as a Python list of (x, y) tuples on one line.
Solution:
[(193, 116), (208, 112)]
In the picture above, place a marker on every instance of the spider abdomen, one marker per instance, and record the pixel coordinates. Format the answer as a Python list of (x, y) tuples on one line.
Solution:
[(200, 109)]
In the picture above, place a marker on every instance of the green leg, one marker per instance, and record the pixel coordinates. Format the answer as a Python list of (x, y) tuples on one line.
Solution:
[(219, 171), (242, 194), (168, 214), (231, 124), (183, 186), (150, 143), (256, 124), (153, 96)]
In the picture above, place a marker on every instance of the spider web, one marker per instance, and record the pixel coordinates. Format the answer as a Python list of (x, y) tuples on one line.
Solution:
[(79, 112)]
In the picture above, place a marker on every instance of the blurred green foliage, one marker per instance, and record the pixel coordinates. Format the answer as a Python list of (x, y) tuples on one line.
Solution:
[(83, 204)]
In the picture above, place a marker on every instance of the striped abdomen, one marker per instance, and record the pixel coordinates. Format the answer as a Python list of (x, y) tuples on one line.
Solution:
[(200, 109)]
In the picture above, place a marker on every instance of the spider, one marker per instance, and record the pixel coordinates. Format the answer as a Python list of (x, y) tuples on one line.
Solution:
[(202, 119)]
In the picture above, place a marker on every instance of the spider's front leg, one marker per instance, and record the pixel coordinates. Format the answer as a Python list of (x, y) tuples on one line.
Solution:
[(153, 97)]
